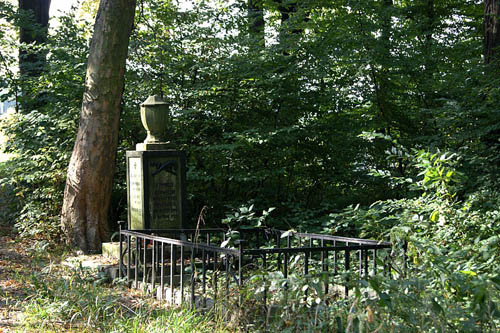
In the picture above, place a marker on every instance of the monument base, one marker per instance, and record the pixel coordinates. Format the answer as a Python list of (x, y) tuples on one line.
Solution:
[(143, 146)]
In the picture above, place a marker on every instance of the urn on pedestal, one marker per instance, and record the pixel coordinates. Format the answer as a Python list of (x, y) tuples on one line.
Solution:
[(155, 117)]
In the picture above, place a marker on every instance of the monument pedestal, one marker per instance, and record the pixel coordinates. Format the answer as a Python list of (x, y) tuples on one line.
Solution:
[(156, 189)]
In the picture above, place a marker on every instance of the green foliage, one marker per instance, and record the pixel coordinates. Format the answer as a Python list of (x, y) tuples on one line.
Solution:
[(282, 121), (244, 217), (8, 200), (453, 252), (42, 138), (374, 119)]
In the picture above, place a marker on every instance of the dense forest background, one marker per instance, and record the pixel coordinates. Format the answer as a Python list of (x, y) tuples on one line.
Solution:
[(375, 118)]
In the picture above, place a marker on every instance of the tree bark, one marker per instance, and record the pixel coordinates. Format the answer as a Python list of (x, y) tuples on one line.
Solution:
[(287, 9), (256, 20), (84, 216), (491, 31), (33, 29), (381, 77)]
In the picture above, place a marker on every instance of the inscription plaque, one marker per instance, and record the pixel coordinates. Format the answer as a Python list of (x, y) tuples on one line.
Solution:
[(164, 191), (135, 194)]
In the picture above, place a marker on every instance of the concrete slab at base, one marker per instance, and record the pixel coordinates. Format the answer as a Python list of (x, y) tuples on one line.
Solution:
[(174, 298), (97, 262), (112, 249)]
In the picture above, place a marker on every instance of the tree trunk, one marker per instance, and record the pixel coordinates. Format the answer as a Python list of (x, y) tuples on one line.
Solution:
[(256, 20), (491, 31), (33, 29), (287, 9), (430, 57), (381, 77), (87, 194)]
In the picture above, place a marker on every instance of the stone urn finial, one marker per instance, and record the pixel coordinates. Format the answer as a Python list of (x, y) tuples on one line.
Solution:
[(154, 118)]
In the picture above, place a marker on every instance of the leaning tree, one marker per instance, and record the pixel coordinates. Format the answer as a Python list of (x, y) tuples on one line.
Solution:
[(89, 181)]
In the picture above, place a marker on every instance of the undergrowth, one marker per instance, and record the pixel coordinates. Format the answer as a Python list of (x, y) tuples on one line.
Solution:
[(49, 296), (75, 300)]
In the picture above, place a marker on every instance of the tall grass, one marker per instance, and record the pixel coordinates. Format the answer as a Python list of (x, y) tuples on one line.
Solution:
[(77, 300)]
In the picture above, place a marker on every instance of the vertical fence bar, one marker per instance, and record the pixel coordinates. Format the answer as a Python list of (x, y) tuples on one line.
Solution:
[(181, 274), (192, 277), (156, 258), (405, 259), (334, 258), (322, 244), (137, 254), (162, 271), (306, 262), (386, 266), (204, 277), (346, 264), (120, 256), (144, 273), (285, 274), (240, 262), (129, 258), (153, 266), (374, 262), (240, 271), (366, 262), (306, 269), (208, 253), (360, 262), (226, 260), (389, 267), (278, 245), (264, 265), (285, 266), (215, 277), (172, 273), (324, 266)]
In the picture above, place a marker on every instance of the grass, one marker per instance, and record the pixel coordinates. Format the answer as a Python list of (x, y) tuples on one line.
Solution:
[(40, 294)]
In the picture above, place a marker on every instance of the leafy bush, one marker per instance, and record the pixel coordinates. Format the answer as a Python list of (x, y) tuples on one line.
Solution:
[(42, 138)]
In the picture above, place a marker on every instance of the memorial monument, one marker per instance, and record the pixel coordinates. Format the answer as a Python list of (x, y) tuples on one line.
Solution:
[(156, 174)]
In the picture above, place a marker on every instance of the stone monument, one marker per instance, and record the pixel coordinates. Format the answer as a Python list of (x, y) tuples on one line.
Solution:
[(156, 174)]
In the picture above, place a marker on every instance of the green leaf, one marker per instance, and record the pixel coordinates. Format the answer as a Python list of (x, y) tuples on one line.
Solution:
[(435, 216)]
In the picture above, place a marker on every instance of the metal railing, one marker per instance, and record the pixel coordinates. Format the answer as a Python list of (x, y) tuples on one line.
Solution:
[(166, 262)]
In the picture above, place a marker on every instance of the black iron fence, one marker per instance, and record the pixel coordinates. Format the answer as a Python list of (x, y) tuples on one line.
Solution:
[(202, 265)]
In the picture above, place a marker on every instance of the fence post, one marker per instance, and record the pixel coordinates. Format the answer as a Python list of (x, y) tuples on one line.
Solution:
[(405, 259), (240, 271), (120, 263)]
